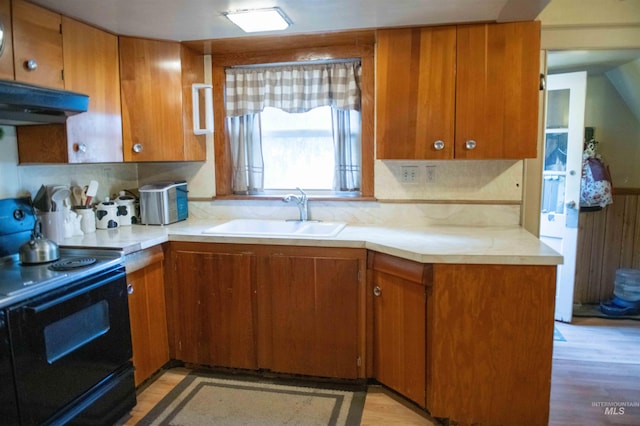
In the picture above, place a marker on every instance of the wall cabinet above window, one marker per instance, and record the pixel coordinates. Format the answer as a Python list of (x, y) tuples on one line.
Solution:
[(466, 92)]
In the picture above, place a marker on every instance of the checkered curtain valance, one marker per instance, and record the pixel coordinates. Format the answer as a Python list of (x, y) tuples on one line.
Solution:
[(293, 88)]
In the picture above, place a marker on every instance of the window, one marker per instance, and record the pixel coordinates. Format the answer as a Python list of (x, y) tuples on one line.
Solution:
[(298, 149), (295, 125)]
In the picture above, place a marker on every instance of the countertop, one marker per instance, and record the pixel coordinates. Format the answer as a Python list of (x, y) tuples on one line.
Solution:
[(435, 244)]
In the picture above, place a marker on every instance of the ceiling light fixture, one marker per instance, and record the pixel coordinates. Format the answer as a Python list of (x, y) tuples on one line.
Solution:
[(256, 20)]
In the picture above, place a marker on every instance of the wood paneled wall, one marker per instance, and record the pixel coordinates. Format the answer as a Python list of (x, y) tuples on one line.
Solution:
[(608, 239)]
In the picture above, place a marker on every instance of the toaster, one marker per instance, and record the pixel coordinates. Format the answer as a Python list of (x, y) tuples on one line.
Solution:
[(163, 203)]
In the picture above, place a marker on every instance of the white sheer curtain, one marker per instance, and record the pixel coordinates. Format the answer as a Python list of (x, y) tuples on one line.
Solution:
[(348, 151), (245, 139), (293, 88)]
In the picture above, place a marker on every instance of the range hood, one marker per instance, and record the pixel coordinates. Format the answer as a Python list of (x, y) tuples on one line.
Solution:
[(22, 104)]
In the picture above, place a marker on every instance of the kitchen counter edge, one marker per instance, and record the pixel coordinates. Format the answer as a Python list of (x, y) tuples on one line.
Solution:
[(429, 244)]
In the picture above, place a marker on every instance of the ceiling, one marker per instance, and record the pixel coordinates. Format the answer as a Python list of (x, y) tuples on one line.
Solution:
[(202, 19), (592, 61)]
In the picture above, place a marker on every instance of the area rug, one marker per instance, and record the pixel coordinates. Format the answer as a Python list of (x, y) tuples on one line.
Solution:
[(202, 398), (587, 310)]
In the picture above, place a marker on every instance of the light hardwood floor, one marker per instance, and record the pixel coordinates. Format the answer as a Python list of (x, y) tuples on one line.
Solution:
[(598, 363)]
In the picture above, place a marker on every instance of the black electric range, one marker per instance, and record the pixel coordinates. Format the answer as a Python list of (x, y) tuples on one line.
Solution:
[(19, 282), (65, 338)]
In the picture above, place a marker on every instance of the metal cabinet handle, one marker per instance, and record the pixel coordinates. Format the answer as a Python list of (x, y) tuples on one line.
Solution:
[(438, 145), (81, 147), (377, 291), (470, 144), (571, 204), (31, 65), (129, 288), (137, 147)]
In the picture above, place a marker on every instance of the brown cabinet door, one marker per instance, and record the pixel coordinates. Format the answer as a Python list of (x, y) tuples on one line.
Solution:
[(91, 67), (95, 136), (415, 93), (6, 52), (490, 333), (400, 347), (399, 288), (213, 307), (151, 91), (310, 325), (497, 90), (147, 312), (37, 45)]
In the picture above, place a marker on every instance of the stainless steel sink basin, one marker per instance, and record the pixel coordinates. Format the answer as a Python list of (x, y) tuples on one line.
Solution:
[(281, 228)]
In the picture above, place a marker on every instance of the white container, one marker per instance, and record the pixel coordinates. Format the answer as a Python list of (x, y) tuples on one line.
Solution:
[(88, 219), (126, 209), (107, 215), (52, 225)]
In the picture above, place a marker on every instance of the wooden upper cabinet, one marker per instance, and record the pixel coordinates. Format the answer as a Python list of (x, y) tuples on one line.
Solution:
[(6, 51), (37, 45), (91, 67), (497, 90), (415, 93), (154, 99), (468, 91)]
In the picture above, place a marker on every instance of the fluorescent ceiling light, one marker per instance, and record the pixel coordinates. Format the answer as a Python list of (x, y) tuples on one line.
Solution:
[(256, 20)]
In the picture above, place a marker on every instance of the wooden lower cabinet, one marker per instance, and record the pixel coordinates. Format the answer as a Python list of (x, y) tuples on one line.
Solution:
[(311, 312), (490, 343), (400, 288), (212, 304), (470, 343), (147, 312), (297, 310)]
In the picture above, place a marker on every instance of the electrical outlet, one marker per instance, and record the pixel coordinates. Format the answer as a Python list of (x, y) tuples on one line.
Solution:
[(431, 174), (409, 174)]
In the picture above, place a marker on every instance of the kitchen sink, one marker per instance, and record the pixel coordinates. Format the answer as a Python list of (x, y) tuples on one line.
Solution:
[(280, 228)]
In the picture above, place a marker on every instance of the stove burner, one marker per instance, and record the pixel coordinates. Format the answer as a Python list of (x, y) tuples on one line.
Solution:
[(70, 263)]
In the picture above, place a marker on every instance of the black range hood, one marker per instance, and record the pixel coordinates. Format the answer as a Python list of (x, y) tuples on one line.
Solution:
[(22, 104)]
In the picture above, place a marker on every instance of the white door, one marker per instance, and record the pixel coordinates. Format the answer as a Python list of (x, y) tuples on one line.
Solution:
[(561, 176)]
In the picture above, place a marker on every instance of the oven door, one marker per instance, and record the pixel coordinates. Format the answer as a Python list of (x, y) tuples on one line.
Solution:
[(69, 341)]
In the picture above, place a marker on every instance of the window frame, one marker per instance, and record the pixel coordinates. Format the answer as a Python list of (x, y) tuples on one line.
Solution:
[(297, 48)]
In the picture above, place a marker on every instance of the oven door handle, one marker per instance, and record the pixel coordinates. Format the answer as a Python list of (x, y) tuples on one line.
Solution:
[(35, 309)]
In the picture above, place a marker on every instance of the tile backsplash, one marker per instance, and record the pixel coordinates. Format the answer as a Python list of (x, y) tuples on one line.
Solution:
[(467, 193)]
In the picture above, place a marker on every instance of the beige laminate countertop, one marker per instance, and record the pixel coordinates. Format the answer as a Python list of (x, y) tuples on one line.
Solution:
[(436, 244)]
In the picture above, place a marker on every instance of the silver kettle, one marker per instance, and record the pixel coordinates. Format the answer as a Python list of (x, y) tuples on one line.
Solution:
[(38, 249)]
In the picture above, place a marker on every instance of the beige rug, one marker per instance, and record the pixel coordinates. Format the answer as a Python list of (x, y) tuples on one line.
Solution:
[(202, 398)]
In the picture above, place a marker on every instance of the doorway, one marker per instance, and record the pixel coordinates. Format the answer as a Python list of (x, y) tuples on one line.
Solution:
[(561, 176)]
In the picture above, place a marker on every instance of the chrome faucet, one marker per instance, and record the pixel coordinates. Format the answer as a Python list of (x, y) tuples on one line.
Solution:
[(301, 201)]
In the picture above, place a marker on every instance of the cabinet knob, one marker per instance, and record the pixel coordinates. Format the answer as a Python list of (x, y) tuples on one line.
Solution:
[(470, 144), (137, 147), (438, 145), (31, 65), (377, 291), (81, 147), (129, 288)]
